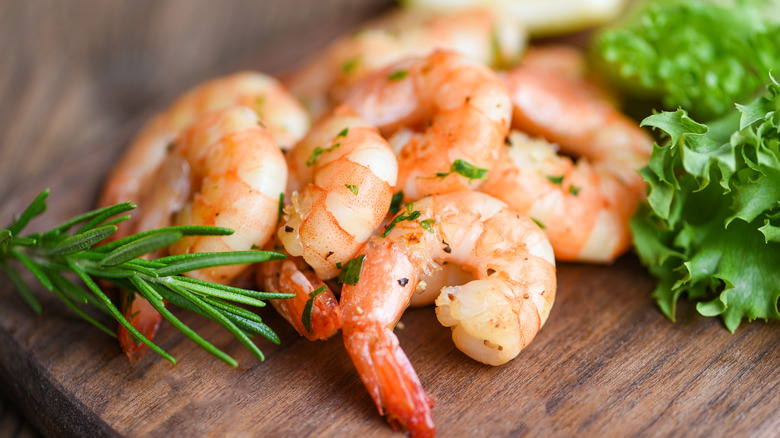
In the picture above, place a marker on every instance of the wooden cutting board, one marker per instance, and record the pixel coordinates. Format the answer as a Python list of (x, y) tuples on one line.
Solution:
[(607, 363)]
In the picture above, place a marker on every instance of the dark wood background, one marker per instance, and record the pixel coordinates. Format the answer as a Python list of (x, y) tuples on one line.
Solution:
[(78, 79)]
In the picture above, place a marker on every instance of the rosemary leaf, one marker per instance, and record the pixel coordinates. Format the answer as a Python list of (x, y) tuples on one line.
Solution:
[(35, 269), (190, 262), (115, 312), (103, 214), (35, 208), (80, 242), (140, 247), (253, 293), (24, 241), (64, 296), (213, 292), (220, 319), (115, 209), (187, 230), (147, 291), (117, 220), (22, 288), (5, 240), (69, 288)]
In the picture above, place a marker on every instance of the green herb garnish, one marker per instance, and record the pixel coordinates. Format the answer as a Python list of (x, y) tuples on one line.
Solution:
[(409, 216), (574, 190), (350, 274), (306, 315), (395, 202), (428, 224), (281, 208), (398, 75), (315, 155), (352, 188), (557, 180), (350, 65), (52, 254), (464, 168)]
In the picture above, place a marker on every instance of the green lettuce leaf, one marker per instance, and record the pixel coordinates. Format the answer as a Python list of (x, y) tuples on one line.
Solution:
[(710, 227), (701, 55)]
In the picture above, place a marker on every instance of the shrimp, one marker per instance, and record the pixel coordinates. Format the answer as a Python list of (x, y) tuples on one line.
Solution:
[(294, 276), (446, 116), (584, 207), (352, 174), (234, 174), (478, 34), (159, 182), (133, 175), (492, 317)]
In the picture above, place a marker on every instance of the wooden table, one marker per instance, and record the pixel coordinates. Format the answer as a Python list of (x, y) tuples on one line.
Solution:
[(78, 80)]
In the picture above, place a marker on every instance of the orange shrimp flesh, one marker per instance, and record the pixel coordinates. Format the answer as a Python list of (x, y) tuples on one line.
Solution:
[(438, 111), (584, 206), (294, 276), (492, 317)]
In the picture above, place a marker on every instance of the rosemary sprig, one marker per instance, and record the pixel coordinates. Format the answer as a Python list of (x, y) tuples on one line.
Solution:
[(55, 255)]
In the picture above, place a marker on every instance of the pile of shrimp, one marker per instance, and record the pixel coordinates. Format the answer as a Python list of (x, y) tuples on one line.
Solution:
[(417, 161)]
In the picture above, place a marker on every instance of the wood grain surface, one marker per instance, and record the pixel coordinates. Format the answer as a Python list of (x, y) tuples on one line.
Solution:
[(81, 77)]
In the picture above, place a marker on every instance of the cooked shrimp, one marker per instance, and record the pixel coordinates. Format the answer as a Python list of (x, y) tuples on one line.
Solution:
[(584, 207), (280, 112), (233, 173), (158, 182), (569, 61), (353, 173), (447, 117), (492, 317), (294, 276), (239, 173), (346, 173), (478, 34)]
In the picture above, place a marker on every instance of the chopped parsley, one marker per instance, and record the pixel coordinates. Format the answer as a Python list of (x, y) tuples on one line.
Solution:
[(574, 190), (409, 216), (306, 315), (352, 188), (464, 168), (350, 65), (315, 155), (428, 224), (557, 180), (398, 75), (350, 274), (395, 202), (281, 208)]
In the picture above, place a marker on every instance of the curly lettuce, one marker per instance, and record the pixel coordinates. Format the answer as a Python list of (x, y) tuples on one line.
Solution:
[(696, 54), (710, 227)]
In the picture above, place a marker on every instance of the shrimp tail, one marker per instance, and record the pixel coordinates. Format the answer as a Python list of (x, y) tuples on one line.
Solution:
[(287, 276), (390, 379), (143, 317)]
